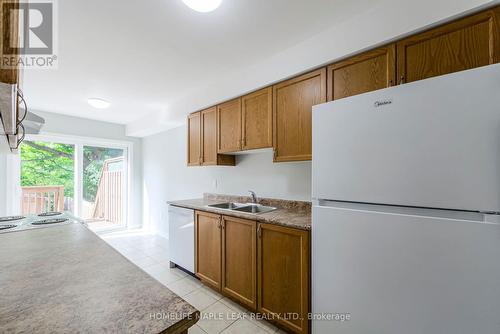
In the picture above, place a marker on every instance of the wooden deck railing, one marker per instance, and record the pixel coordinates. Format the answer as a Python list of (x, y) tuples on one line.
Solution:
[(39, 199), (108, 203)]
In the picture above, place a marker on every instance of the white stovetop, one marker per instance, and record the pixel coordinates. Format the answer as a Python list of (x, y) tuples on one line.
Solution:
[(26, 223)]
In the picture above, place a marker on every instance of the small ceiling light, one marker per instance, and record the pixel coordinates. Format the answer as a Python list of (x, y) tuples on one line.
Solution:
[(203, 6), (98, 103)]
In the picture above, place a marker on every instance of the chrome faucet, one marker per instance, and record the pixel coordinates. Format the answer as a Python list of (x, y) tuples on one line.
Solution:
[(254, 196)]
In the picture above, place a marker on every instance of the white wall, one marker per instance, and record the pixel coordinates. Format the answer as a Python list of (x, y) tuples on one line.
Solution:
[(166, 177), (56, 124)]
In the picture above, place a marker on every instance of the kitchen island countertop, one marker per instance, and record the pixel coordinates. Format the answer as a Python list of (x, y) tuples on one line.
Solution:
[(65, 279)]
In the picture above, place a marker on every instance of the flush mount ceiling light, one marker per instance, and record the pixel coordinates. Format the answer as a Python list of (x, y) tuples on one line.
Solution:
[(203, 6), (98, 103)]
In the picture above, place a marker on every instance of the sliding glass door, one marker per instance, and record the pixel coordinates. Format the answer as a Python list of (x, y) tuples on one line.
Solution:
[(104, 187), (87, 178)]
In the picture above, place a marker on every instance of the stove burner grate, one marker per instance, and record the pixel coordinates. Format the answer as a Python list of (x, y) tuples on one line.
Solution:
[(50, 214), (50, 221), (6, 227), (11, 218)]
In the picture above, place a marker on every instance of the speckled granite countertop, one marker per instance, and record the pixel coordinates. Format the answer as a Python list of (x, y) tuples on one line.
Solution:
[(296, 214), (65, 279)]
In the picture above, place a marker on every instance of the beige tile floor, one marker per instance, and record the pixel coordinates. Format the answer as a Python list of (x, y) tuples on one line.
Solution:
[(150, 252)]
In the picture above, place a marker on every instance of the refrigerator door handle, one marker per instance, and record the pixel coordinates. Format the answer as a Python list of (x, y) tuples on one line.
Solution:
[(411, 211)]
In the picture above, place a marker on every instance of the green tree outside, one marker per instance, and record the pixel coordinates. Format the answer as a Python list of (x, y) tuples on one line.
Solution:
[(52, 164), (93, 161), (48, 164)]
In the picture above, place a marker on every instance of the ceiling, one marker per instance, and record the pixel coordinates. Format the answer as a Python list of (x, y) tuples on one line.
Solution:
[(144, 55)]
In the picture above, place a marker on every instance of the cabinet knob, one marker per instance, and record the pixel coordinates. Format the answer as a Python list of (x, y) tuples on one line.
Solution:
[(259, 231), (402, 80)]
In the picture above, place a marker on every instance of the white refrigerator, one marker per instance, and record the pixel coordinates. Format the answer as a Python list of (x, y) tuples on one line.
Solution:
[(406, 214)]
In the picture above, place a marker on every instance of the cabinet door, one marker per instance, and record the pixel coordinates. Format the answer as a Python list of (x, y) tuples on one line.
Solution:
[(363, 73), (293, 101), (283, 274), (229, 126), (257, 119), (194, 139), (209, 136), (208, 248), (9, 22), (239, 254), (464, 44)]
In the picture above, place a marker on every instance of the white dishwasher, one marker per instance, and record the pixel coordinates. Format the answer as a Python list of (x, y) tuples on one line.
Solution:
[(181, 235)]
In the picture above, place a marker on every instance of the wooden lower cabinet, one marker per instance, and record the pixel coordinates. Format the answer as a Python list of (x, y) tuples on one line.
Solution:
[(208, 248), (226, 256), (239, 260), (264, 267), (283, 271)]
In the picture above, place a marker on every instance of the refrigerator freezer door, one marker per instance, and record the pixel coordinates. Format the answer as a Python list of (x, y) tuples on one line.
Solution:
[(181, 236), (431, 143), (397, 273)]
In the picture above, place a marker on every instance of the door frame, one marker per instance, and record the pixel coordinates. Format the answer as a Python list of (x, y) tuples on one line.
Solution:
[(79, 142)]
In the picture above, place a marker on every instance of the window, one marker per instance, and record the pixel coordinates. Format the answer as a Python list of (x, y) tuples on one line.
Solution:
[(87, 177), (47, 177)]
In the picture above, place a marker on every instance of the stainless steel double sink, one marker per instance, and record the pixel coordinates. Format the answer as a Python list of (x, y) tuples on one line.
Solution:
[(243, 207)]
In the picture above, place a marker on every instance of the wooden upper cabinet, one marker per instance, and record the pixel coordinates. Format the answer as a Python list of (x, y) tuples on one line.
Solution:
[(202, 140), (194, 139), (281, 116), (208, 248), (10, 34), (292, 121), (245, 123), (369, 71), (283, 271), (257, 119), (229, 126), (239, 255), (209, 136), (470, 42)]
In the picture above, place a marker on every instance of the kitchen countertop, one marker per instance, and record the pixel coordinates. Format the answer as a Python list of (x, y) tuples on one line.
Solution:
[(289, 213), (65, 279)]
